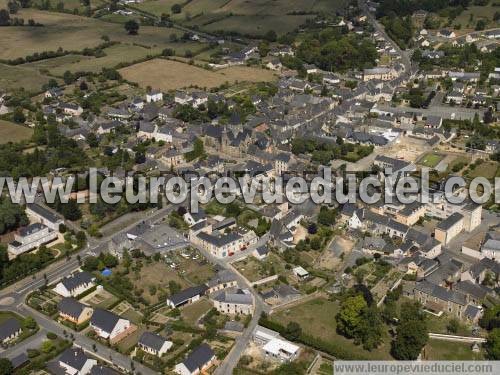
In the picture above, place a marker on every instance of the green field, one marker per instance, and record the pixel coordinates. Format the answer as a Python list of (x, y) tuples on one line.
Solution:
[(431, 160), (487, 169), (258, 24), (478, 12), (10, 132), (191, 313), (56, 62), (14, 77), (72, 33), (450, 351), (317, 318)]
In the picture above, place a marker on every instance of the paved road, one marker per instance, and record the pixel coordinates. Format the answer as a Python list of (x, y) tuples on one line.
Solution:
[(49, 325), (227, 366), (17, 293), (405, 55)]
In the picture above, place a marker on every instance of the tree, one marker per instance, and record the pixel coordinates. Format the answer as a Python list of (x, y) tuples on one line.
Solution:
[(91, 263), (13, 7), (293, 331), (493, 344), (132, 27), (6, 367), (176, 8), (68, 77), (29, 323), (350, 315), (84, 86), (71, 210), (453, 326), (326, 216), (92, 140), (411, 334), (174, 287), (271, 36), (370, 329), (18, 116), (4, 17), (47, 346)]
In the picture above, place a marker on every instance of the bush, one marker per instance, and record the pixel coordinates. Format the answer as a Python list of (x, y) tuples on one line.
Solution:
[(51, 335)]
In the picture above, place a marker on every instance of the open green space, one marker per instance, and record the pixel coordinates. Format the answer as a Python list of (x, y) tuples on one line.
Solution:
[(317, 319), (450, 351), (15, 77), (431, 159), (10, 132)]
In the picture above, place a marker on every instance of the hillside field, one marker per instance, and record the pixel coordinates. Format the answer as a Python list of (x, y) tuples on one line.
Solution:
[(170, 75), (10, 132)]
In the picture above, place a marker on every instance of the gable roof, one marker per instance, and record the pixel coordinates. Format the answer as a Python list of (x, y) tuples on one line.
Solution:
[(104, 320), (74, 357), (78, 279), (186, 294), (71, 307), (43, 212), (199, 357), (152, 340), (8, 328)]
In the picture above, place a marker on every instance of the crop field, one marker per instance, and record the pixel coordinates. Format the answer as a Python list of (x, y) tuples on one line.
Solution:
[(246, 17), (71, 33), (14, 77), (10, 132), (258, 24), (171, 75)]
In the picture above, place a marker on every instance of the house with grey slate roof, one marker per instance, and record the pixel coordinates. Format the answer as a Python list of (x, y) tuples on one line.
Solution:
[(200, 359), (154, 344)]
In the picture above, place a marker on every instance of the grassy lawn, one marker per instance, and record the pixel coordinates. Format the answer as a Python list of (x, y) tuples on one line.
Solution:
[(170, 75), (450, 351), (191, 313), (254, 270), (317, 318), (101, 299), (195, 272), (10, 132), (156, 274), (129, 342), (431, 160)]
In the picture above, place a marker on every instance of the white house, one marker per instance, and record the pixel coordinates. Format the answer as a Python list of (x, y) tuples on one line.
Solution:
[(154, 344), (40, 214), (110, 326), (75, 362), (282, 350), (75, 285), (199, 360), (154, 96), (29, 238)]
